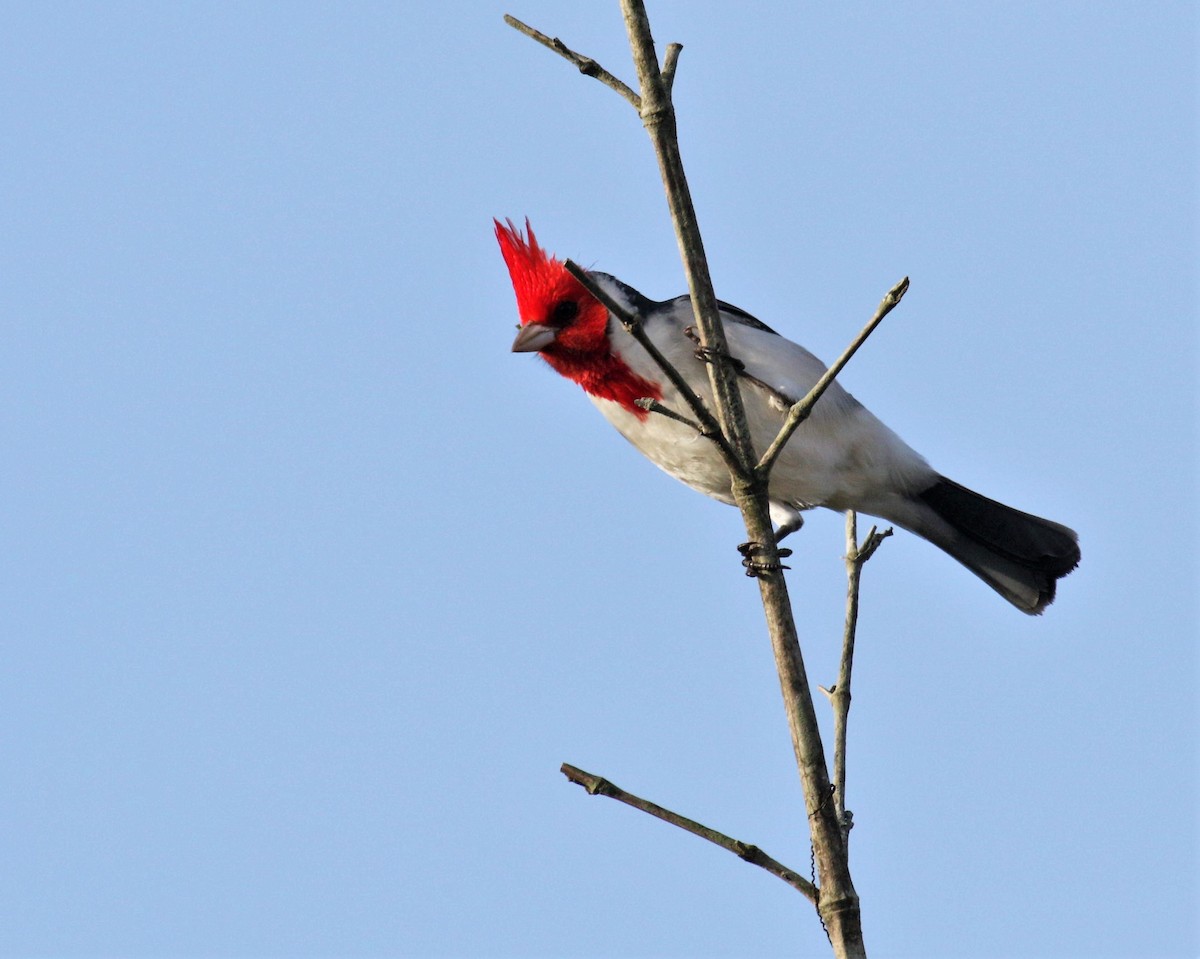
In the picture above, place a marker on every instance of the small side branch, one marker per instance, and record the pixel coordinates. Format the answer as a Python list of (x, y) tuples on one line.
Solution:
[(670, 61), (598, 786), (587, 66), (708, 425), (651, 405), (839, 694), (800, 412)]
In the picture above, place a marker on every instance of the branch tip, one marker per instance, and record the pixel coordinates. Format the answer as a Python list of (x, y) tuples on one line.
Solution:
[(670, 60), (595, 785), (651, 405), (869, 545)]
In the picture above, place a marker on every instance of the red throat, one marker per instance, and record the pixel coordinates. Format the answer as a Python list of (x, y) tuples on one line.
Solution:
[(581, 350)]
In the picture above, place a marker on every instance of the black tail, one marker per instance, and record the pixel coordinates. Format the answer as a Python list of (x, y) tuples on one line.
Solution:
[(1020, 556)]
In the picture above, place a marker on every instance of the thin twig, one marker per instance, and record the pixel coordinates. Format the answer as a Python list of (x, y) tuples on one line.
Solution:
[(587, 66), (839, 694), (598, 786), (800, 412), (651, 405), (633, 326)]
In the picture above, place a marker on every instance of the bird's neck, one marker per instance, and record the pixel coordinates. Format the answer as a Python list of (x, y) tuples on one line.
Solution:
[(605, 375)]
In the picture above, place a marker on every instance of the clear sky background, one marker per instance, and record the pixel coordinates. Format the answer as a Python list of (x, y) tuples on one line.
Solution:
[(308, 585)]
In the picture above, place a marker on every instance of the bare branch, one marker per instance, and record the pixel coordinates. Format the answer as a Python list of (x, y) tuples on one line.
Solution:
[(800, 412), (707, 423), (587, 66), (598, 786), (839, 902), (670, 61), (839, 694)]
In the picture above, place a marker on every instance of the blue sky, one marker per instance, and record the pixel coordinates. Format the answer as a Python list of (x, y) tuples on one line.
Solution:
[(308, 585)]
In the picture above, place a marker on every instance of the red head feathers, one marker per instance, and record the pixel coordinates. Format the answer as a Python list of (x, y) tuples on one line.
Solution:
[(549, 299), (540, 281), (564, 323)]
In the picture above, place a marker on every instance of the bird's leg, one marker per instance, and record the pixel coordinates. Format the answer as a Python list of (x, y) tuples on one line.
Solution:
[(789, 526), (787, 517)]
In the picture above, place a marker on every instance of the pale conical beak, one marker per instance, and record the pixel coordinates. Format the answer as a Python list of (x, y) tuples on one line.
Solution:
[(534, 337)]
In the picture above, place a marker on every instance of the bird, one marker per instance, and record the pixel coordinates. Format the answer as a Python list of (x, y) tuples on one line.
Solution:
[(842, 457)]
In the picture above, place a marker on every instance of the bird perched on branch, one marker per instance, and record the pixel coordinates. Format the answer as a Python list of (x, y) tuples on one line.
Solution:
[(842, 457)]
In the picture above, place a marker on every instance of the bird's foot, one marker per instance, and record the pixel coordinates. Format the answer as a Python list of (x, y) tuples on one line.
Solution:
[(709, 354), (757, 567)]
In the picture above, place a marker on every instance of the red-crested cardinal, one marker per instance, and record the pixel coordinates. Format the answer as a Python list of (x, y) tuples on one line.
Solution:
[(842, 457)]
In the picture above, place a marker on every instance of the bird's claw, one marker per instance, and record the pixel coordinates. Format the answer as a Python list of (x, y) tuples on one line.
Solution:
[(757, 567), (709, 354)]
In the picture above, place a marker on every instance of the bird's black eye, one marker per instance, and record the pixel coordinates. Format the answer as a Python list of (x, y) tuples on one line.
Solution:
[(563, 313)]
